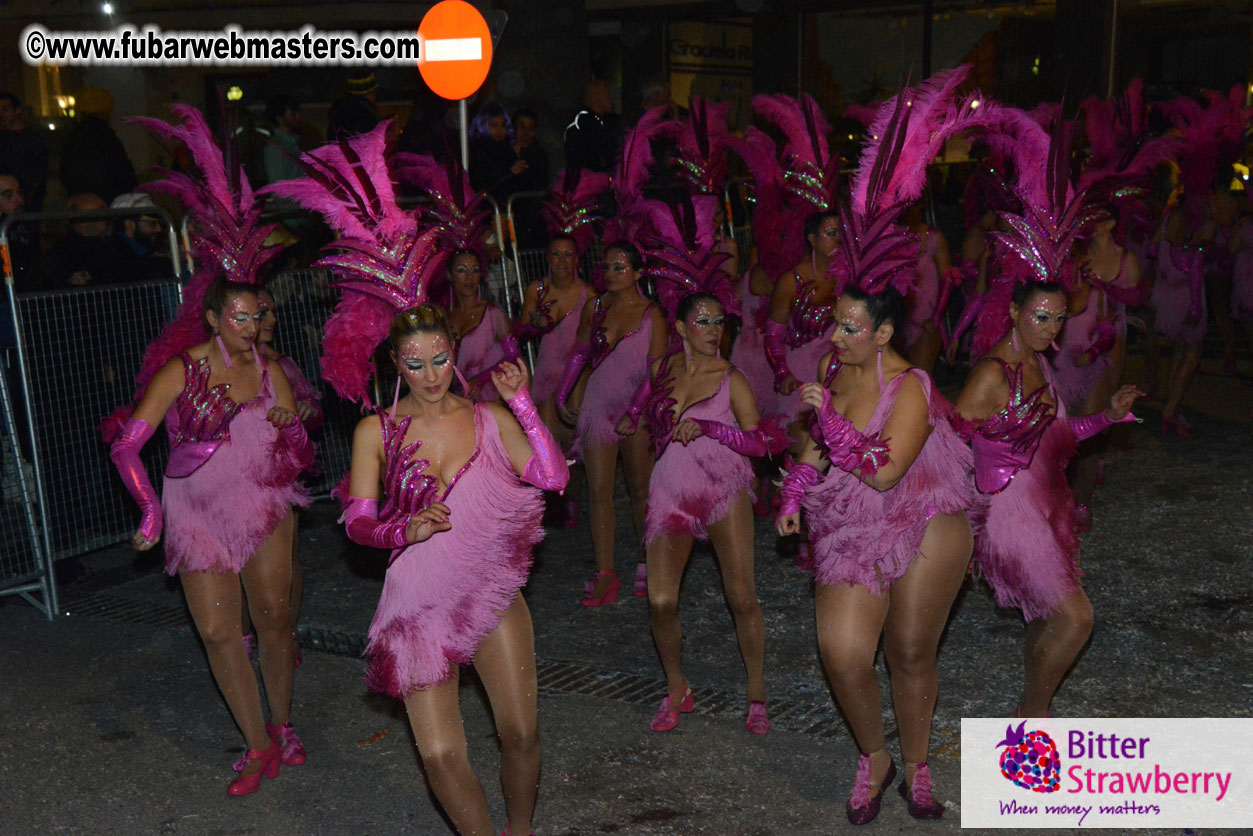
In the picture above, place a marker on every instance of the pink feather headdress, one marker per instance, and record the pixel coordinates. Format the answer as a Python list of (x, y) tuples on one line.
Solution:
[(227, 239), (681, 256), (631, 221), (703, 145), (777, 217), (571, 205), (810, 170), (1211, 134), (383, 259), (462, 216)]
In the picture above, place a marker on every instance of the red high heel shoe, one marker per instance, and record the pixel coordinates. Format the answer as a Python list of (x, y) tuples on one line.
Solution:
[(758, 721), (607, 597), (248, 784), (1177, 425), (861, 807), (293, 751), (668, 717)]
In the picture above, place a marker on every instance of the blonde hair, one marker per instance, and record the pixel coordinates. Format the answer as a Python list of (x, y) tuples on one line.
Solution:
[(424, 319)]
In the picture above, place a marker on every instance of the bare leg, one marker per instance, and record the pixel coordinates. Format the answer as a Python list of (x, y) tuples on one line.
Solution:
[(435, 716), (214, 601), (1053, 644), (601, 463), (732, 538), (297, 573), (667, 559), (850, 620), (267, 577), (637, 462), (1183, 367), (920, 604), (506, 664), (1084, 467), (564, 436)]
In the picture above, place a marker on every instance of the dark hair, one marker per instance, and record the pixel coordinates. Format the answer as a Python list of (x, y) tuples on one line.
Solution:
[(524, 113), (629, 250), (885, 306), (277, 105), (424, 319), (562, 236), (814, 222), (458, 253), (218, 293), (1027, 291), (692, 300), (11, 99)]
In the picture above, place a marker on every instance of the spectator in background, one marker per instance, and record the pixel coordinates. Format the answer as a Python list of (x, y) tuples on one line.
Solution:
[(656, 93), (356, 112), (593, 138), (93, 160), (493, 163), (90, 254), (527, 222), (23, 150), (23, 238), (145, 236), (282, 153)]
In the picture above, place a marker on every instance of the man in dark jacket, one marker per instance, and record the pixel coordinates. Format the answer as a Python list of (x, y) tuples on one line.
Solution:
[(93, 160)]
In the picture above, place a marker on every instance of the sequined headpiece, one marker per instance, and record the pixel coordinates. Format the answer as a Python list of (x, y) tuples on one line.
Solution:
[(681, 255), (571, 205)]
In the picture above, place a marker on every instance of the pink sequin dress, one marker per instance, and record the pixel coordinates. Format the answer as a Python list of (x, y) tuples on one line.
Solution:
[(860, 535), (479, 349), (554, 348), (1179, 291), (237, 477), (1025, 541), (616, 372), (441, 597), (692, 485), (924, 296), (1087, 333), (808, 339), (749, 352), (1242, 277)]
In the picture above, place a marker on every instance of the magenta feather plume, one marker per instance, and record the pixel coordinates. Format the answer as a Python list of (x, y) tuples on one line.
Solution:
[(863, 114), (810, 170), (777, 217), (681, 256), (571, 206), (703, 145), (637, 154), (1211, 134), (462, 215), (353, 332)]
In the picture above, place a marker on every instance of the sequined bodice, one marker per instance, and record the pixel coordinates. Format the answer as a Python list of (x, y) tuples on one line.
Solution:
[(600, 334), (659, 411), (808, 319), (204, 411), (1007, 442), (407, 487)]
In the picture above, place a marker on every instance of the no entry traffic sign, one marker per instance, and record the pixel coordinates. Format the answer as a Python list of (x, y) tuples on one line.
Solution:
[(456, 49)]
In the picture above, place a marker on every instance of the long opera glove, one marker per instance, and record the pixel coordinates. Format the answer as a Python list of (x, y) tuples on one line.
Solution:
[(767, 439), (363, 525), (639, 401), (546, 468), (798, 479), (1090, 425), (776, 354), (579, 356), (125, 455), (298, 443), (512, 350), (849, 449)]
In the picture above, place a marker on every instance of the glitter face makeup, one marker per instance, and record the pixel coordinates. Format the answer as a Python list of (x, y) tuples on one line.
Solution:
[(240, 322), (828, 236), (269, 320), (1041, 320), (426, 362), (619, 274), (704, 326), (465, 274), (853, 337)]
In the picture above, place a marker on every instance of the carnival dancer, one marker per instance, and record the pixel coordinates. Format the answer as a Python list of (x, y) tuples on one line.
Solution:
[(928, 297), (236, 449), (887, 521), (458, 482), (1024, 519), (620, 332)]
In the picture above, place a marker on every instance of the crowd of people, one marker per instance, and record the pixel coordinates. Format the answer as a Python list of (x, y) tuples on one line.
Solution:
[(697, 367)]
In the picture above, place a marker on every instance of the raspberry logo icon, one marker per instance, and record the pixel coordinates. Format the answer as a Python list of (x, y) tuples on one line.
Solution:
[(1030, 759)]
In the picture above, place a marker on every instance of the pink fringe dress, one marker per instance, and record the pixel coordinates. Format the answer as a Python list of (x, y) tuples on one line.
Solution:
[(218, 515), (808, 340), (749, 352), (1025, 541), (554, 348), (924, 296), (692, 486), (860, 535), (1178, 291), (616, 372), (441, 597), (1088, 333), (479, 349), (1242, 277)]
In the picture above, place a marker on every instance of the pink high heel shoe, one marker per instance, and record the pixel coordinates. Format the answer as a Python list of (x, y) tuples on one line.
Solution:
[(922, 805), (607, 597), (667, 717), (293, 751), (248, 784), (641, 580), (757, 722), (862, 807)]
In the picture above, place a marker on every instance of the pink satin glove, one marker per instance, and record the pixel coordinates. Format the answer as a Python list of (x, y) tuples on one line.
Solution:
[(579, 356), (298, 443), (769, 438), (363, 525), (639, 402), (125, 455), (512, 350), (776, 354), (798, 479), (849, 449), (546, 469), (1090, 425)]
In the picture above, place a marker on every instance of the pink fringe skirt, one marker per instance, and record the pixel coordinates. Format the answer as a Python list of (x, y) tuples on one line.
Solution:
[(693, 487)]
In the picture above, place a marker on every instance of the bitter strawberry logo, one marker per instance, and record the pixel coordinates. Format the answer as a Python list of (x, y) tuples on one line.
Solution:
[(1030, 759)]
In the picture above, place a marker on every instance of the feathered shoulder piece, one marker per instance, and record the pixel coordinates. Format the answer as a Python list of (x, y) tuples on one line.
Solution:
[(810, 170), (571, 205), (228, 240), (703, 145), (383, 260), (681, 255)]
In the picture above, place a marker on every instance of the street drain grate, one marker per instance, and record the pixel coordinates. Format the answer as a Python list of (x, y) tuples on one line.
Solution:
[(556, 677)]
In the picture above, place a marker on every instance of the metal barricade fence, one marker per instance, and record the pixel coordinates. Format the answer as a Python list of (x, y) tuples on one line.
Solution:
[(24, 567)]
